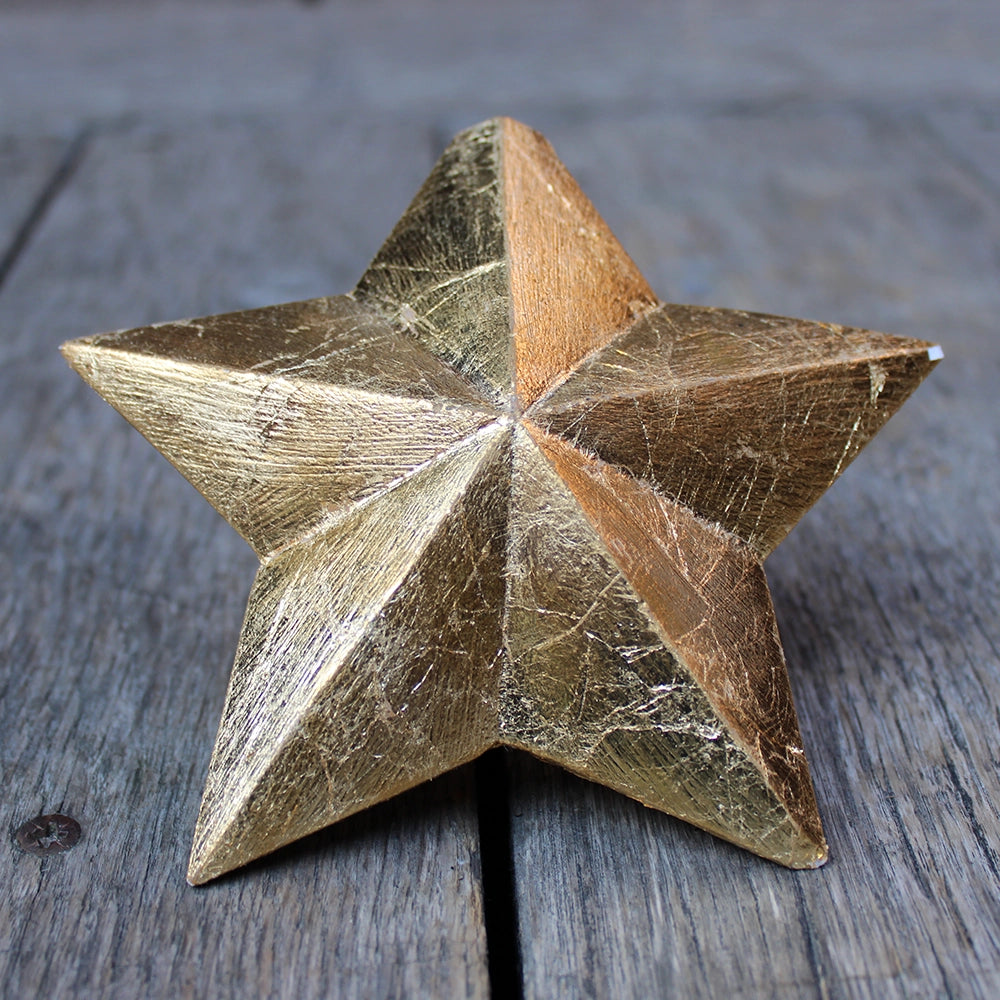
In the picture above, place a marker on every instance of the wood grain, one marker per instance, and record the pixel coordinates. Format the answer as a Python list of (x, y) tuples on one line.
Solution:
[(783, 157)]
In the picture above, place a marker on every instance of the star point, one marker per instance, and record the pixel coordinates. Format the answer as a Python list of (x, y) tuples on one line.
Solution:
[(503, 496)]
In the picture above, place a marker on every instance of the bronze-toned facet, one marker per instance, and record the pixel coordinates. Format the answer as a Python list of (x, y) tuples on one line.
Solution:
[(572, 286), (502, 496), (747, 419)]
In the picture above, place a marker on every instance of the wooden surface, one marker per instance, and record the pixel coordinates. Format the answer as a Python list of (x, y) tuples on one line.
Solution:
[(182, 159)]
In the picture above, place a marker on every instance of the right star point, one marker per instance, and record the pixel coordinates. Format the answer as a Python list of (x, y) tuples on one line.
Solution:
[(743, 417)]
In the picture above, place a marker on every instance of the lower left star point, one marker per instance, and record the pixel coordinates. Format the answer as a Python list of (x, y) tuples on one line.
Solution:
[(369, 661)]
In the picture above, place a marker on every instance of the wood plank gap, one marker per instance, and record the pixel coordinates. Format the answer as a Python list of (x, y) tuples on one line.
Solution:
[(61, 176), (503, 947)]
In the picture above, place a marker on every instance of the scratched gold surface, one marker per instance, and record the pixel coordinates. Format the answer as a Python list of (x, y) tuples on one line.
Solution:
[(380, 640), (557, 241), (601, 684), (442, 275), (747, 419), (281, 443), (502, 496)]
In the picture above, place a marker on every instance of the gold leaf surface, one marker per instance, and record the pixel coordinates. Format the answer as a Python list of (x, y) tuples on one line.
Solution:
[(501, 496)]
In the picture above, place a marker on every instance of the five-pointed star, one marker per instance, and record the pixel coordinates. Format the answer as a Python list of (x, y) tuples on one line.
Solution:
[(503, 496)]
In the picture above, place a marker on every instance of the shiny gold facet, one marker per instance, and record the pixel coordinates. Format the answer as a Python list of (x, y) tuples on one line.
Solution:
[(369, 659), (502, 497), (442, 275)]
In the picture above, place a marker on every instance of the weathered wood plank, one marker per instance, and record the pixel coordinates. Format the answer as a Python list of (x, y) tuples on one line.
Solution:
[(886, 593), (111, 58), (121, 587), (969, 134), (123, 594)]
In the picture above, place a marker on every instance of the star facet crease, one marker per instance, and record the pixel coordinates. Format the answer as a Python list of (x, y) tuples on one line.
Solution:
[(502, 495)]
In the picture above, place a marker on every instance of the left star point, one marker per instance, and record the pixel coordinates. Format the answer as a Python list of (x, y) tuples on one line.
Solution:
[(283, 417)]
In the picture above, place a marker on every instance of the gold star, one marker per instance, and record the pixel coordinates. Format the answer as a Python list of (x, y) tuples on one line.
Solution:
[(503, 496)]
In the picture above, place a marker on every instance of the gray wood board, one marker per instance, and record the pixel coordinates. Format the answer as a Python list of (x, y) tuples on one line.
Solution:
[(828, 162), (67, 62), (969, 131), (886, 594), (123, 596)]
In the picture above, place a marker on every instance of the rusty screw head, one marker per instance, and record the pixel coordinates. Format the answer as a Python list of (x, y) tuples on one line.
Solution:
[(48, 834)]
